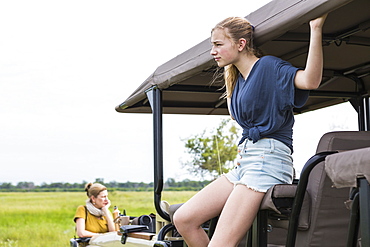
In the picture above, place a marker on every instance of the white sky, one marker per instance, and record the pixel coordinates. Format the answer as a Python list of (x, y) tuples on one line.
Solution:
[(65, 65)]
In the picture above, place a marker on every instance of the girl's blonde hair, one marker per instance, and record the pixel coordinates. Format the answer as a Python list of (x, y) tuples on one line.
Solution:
[(94, 189), (236, 28)]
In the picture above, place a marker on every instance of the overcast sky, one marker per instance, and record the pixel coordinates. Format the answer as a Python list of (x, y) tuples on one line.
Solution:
[(65, 65)]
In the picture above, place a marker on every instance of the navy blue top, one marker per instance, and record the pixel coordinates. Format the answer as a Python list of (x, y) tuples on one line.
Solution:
[(263, 104)]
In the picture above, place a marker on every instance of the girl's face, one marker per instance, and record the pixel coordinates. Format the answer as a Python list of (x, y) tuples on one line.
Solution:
[(101, 200), (224, 50)]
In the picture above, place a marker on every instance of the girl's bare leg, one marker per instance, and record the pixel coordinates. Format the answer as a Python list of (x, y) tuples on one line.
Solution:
[(205, 205), (237, 216)]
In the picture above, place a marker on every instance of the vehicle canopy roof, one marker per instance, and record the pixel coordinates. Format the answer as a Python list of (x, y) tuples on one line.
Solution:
[(281, 30)]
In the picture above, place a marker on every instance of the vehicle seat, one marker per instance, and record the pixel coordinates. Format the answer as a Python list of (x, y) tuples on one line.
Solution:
[(352, 170), (323, 218)]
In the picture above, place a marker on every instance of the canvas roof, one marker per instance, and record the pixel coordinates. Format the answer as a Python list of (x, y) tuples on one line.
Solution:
[(281, 30)]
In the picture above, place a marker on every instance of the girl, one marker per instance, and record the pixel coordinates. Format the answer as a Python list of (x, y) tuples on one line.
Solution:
[(261, 93)]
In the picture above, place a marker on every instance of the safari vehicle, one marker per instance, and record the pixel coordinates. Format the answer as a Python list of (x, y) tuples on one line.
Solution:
[(309, 212)]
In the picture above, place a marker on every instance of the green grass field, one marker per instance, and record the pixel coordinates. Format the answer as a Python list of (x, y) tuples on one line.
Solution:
[(46, 219)]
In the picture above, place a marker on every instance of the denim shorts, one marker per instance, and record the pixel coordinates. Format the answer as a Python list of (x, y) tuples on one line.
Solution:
[(262, 164)]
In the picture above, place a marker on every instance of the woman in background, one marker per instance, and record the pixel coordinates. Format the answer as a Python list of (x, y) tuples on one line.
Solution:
[(94, 217)]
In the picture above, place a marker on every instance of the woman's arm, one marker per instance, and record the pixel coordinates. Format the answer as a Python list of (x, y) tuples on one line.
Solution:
[(311, 76), (80, 229)]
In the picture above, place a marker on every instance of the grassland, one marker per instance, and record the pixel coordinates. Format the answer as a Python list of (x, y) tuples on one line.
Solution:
[(46, 219)]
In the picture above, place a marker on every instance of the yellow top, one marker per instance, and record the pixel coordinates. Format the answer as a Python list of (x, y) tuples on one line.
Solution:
[(93, 223)]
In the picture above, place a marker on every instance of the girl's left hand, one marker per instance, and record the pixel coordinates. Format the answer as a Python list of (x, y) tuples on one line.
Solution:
[(318, 22)]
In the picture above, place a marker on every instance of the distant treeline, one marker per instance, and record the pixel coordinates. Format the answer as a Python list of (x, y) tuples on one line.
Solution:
[(170, 185)]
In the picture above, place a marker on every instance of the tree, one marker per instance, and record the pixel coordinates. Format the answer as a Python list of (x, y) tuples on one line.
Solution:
[(99, 180), (212, 154), (26, 185), (6, 186)]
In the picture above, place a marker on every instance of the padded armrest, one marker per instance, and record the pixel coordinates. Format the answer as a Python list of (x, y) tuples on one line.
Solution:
[(280, 197), (344, 168), (278, 191), (173, 209)]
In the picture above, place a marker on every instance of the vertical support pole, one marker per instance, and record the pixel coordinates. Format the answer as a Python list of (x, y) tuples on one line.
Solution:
[(259, 229), (361, 114), (364, 192), (367, 113), (353, 223), (155, 99)]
